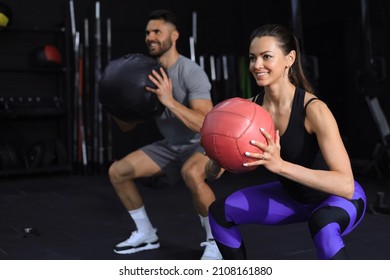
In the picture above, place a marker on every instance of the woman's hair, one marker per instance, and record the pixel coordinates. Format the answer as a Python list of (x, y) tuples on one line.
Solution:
[(288, 42)]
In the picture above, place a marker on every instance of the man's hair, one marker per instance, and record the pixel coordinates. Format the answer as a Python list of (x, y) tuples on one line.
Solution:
[(164, 15)]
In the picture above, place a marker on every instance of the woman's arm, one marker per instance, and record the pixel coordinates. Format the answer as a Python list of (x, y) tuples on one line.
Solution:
[(338, 180)]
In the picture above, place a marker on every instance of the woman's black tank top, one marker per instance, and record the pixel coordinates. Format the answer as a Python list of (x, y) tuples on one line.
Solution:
[(299, 147)]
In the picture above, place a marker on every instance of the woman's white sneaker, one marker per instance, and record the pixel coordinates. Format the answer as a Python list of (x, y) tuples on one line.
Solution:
[(211, 251)]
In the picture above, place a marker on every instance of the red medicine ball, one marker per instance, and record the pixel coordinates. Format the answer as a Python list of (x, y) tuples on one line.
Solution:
[(228, 129)]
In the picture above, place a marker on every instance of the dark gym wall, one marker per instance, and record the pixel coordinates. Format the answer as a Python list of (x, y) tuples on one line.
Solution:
[(331, 28)]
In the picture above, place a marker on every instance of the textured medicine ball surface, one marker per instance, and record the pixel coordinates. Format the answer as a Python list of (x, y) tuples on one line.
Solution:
[(122, 90), (228, 129)]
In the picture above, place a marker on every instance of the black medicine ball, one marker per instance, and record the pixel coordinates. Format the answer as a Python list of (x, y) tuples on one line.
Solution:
[(122, 90)]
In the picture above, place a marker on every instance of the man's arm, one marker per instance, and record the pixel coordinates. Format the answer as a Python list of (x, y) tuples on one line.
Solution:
[(194, 115)]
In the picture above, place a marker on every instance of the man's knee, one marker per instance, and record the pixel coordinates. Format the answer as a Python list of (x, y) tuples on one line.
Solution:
[(119, 171), (193, 171)]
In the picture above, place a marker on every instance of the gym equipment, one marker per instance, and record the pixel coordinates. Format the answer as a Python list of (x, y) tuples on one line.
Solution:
[(5, 15), (309, 62), (31, 106), (98, 121), (380, 120), (87, 98), (369, 80), (46, 153), (79, 141), (228, 129), (48, 56), (108, 119), (8, 158), (122, 88)]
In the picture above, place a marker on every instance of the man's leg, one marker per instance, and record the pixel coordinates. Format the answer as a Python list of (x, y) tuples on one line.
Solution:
[(194, 176), (193, 173), (122, 174)]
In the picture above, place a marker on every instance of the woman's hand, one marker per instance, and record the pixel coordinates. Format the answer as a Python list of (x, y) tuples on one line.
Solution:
[(269, 153)]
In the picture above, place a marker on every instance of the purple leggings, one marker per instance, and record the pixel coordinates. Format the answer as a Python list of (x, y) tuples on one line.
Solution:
[(268, 204)]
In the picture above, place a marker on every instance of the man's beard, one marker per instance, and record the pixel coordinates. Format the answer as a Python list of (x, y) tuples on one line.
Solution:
[(158, 52)]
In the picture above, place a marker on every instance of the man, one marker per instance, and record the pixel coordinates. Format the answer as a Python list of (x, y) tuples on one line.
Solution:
[(185, 93)]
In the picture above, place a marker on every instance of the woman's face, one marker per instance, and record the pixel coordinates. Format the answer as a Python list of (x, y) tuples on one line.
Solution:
[(267, 62)]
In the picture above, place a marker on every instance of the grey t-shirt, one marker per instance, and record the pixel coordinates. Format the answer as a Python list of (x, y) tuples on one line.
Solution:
[(189, 82)]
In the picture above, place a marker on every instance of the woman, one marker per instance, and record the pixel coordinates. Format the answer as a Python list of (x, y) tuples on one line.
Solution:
[(315, 183)]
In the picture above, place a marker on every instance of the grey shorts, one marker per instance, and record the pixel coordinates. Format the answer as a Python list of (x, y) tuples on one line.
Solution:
[(170, 158)]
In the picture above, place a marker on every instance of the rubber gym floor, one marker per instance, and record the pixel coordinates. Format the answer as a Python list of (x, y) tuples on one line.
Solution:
[(62, 217)]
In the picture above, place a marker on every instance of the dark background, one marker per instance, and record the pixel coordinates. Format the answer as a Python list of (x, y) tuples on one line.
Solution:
[(332, 32), (80, 217)]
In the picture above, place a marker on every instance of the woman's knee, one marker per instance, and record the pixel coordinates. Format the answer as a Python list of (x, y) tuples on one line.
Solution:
[(326, 226), (218, 213), (324, 216)]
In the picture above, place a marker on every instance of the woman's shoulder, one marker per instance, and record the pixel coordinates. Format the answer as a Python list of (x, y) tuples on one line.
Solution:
[(315, 108), (310, 98)]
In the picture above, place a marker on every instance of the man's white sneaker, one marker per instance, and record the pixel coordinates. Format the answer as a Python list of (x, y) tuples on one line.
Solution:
[(211, 251), (138, 241)]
